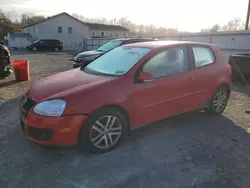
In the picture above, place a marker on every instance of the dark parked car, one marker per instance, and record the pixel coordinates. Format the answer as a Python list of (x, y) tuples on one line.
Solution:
[(240, 64), (5, 64), (46, 44), (85, 58)]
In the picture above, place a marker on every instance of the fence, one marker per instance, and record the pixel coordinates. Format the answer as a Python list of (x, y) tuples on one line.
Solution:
[(229, 42)]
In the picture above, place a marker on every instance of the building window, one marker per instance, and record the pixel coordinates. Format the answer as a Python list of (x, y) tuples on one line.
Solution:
[(116, 34), (110, 34), (124, 34), (93, 33), (102, 34), (59, 29), (69, 29)]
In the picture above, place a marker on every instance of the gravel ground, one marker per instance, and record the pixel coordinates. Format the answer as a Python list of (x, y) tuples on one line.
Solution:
[(190, 150)]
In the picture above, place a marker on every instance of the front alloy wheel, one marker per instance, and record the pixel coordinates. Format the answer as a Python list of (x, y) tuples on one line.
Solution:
[(104, 130), (34, 49)]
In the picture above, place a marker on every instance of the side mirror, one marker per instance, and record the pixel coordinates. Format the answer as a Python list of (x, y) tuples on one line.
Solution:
[(145, 77)]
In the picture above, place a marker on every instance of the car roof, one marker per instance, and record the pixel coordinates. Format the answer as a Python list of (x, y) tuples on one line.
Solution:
[(131, 39), (50, 39), (160, 44)]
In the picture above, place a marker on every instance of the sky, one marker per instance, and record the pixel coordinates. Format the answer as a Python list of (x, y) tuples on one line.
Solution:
[(185, 15)]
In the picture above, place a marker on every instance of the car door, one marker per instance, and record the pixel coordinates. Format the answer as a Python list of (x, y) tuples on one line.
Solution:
[(49, 45), (38, 44), (164, 96), (204, 73), (41, 45)]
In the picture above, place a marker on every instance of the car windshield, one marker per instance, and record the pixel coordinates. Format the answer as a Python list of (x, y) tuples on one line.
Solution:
[(36, 41), (109, 45), (117, 62)]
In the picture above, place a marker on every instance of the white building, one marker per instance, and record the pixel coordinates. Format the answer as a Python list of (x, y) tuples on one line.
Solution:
[(72, 31), (18, 40)]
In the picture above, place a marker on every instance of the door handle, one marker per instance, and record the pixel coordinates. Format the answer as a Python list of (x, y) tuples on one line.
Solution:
[(190, 78)]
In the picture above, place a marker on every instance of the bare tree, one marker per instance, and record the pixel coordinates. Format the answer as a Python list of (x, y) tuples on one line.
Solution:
[(215, 28), (232, 25), (13, 16)]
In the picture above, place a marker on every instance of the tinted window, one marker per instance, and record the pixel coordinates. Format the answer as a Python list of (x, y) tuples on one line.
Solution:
[(51, 41), (203, 56), (169, 62), (117, 61)]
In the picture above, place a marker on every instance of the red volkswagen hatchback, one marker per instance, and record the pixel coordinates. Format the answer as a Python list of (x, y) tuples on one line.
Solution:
[(129, 86)]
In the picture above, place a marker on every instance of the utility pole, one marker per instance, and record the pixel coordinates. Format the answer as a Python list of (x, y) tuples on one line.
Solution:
[(247, 19)]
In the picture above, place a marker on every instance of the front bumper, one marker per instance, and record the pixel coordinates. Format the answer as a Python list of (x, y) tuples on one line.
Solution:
[(51, 130)]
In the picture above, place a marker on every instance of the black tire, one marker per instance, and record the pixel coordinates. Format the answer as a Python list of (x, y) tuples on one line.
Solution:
[(56, 49), (87, 130), (211, 109), (34, 49)]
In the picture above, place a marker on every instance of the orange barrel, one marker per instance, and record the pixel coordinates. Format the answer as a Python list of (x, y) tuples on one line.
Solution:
[(21, 69)]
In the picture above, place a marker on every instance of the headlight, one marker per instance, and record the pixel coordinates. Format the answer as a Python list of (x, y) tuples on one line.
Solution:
[(53, 107)]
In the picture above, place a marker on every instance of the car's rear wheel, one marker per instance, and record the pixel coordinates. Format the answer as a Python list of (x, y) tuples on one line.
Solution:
[(104, 130), (218, 102), (34, 49)]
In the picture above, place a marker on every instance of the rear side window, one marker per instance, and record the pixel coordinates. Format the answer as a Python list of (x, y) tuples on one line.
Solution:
[(203, 56)]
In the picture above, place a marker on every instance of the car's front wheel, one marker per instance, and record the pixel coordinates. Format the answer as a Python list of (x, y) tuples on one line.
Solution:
[(56, 49), (104, 130), (218, 102), (34, 49)]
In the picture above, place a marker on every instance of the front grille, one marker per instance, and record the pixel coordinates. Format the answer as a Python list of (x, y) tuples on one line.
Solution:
[(40, 134), (29, 103)]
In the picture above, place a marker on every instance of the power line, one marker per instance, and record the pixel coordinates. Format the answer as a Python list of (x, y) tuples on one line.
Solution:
[(247, 19)]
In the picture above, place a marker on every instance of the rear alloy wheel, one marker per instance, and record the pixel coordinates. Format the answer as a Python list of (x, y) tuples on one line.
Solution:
[(56, 49), (34, 49), (219, 102), (104, 130)]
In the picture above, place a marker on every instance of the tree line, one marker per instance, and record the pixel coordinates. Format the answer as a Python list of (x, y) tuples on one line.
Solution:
[(235, 24), (125, 22), (11, 21), (15, 20)]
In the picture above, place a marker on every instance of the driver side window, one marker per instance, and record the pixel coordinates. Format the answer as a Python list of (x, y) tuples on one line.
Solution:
[(168, 62)]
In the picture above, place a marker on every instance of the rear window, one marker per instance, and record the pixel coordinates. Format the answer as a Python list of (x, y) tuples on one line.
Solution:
[(109, 45), (203, 56)]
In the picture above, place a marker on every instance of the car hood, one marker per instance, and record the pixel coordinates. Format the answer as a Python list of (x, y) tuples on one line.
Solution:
[(62, 84), (89, 53)]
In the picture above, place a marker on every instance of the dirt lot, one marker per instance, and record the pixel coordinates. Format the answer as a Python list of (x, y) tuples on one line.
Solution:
[(191, 150)]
